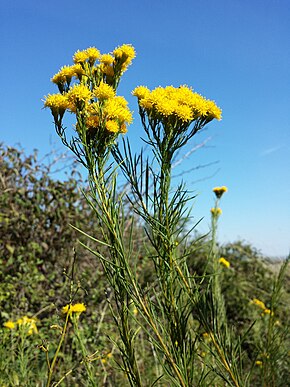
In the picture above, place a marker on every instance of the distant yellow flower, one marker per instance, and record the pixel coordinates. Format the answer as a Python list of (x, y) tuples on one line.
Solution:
[(224, 262), (74, 308), (262, 306), (104, 91), (219, 191), (259, 363), (9, 324), (216, 211), (29, 324)]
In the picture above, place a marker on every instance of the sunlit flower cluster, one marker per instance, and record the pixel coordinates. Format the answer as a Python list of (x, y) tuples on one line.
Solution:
[(26, 323), (176, 103), (88, 90)]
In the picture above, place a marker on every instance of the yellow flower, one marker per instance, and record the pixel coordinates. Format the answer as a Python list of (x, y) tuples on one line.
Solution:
[(107, 59), (93, 121), (112, 126), (64, 75), (57, 102), (216, 211), (224, 262), (9, 324), (125, 53), (93, 53), (80, 56), (141, 92), (259, 303), (74, 308), (219, 191), (29, 324), (104, 91), (79, 93), (268, 311), (107, 69), (259, 363), (115, 109), (180, 103)]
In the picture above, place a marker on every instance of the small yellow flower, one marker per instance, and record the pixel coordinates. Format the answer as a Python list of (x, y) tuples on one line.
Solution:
[(141, 92), (224, 262), (104, 91), (93, 53), (56, 102), (29, 324), (112, 126), (9, 324), (259, 363), (125, 53), (79, 94), (80, 56), (107, 59), (216, 211), (219, 191), (74, 308)]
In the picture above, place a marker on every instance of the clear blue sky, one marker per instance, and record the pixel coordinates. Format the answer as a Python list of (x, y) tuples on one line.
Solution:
[(236, 52)]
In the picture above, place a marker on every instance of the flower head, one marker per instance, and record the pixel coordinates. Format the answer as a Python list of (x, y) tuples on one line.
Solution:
[(224, 262), (219, 191), (216, 211), (74, 308), (9, 324), (64, 75), (104, 91), (125, 54), (29, 324)]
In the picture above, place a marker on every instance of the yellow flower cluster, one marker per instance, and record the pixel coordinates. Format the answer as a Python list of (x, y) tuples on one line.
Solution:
[(216, 211), (74, 308), (224, 262), (262, 306), (219, 191), (181, 103), (92, 93), (29, 324), (91, 54)]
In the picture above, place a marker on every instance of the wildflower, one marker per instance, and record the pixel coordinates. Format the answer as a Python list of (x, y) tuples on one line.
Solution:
[(259, 363), (259, 303), (141, 92), (29, 324), (216, 211), (74, 308), (9, 324), (107, 59), (78, 95), (80, 56), (224, 262), (56, 102), (64, 75), (219, 191), (93, 121), (125, 54), (104, 91), (112, 126), (180, 103), (93, 53)]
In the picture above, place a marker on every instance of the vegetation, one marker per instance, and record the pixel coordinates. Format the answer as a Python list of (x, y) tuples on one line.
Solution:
[(114, 287)]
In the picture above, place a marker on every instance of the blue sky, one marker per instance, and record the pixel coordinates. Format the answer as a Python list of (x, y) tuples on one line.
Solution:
[(236, 52)]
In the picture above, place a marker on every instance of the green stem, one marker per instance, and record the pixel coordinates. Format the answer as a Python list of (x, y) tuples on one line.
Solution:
[(53, 363)]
